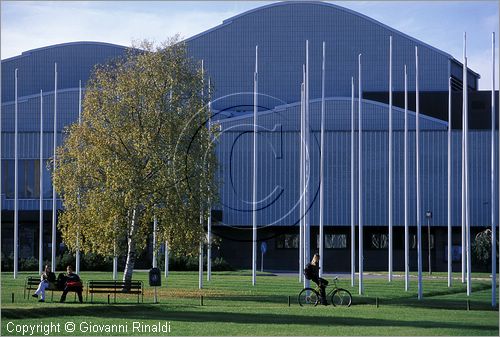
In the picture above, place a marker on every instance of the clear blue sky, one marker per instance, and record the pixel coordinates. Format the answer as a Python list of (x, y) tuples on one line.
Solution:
[(29, 25)]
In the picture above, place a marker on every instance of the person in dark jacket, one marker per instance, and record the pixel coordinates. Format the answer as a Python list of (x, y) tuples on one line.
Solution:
[(73, 283), (321, 282)]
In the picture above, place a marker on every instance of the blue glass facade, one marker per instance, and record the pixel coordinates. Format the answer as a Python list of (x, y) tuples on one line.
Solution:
[(278, 167)]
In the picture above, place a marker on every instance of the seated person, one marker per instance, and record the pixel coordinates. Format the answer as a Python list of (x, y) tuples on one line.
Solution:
[(72, 283), (46, 279)]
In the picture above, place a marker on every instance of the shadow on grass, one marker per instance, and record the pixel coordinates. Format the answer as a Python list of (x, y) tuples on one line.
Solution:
[(153, 312), (431, 301)]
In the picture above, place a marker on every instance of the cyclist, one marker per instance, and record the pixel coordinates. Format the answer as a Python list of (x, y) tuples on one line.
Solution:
[(312, 271)]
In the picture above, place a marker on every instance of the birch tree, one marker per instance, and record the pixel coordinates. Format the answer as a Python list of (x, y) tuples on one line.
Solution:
[(142, 150)]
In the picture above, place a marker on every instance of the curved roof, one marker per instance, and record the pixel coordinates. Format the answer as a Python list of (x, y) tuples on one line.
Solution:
[(75, 62), (66, 44), (330, 5)]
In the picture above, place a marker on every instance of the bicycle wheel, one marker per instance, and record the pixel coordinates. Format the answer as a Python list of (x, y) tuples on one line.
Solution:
[(341, 298), (308, 297)]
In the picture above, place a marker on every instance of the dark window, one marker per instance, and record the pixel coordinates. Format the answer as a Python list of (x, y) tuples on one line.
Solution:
[(334, 241), (8, 178), (28, 179), (379, 241), (478, 105), (456, 253), (424, 241), (29, 173), (287, 241)]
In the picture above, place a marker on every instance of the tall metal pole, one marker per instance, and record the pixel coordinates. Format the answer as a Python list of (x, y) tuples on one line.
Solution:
[(493, 175), (155, 228), (449, 187), (200, 254), (467, 197), (353, 220), (16, 201), (54, 205), (321, 174), (200, 260), (360, 182), (463, 246), (390, 160), (40, 215), (1, 180), (405, 152), (115, 262), (209, 219), (307, 166), (77, 257), (301, 178), (254, 187), (417, 145), (166, 259), (209, 245)]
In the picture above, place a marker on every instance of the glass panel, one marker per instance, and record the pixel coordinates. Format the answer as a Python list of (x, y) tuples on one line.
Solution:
[(21, 179), (36, 178), (47, 182), (379, 241), (287, 241), (8, 178), (29, 179)]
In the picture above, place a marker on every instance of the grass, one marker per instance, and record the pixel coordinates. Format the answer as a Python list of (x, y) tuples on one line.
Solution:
[(232, 306)]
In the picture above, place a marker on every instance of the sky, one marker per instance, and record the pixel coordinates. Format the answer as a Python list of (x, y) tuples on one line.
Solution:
[(28, 25)]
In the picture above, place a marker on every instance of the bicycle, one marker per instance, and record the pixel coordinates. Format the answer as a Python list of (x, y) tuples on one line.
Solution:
[(338, 296)]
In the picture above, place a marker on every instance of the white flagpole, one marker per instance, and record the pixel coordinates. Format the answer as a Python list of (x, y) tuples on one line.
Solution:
[(307, 167), (417, 145), (115, 262), (353, 220), (302, 184), (54, 205), (16, 211), (209, 220), (200, 259), (322, 160), (166, 259), (405, 152), (390, 160), (155, 228), (40, 216), (360, 182), (254, 187), (449, 186), (200, 254), (493, 170), (463, 258), (467, 198), (209, 245), (77, 257), (1, 180)]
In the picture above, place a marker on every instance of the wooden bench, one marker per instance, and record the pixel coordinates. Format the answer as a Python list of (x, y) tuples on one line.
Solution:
[(32, 283), (114, 287)]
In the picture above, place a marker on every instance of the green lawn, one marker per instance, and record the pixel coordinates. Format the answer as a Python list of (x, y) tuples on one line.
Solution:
[(232, 306)]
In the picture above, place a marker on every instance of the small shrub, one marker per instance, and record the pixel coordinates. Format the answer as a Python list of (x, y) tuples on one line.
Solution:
[(190, 263), (29, 264)]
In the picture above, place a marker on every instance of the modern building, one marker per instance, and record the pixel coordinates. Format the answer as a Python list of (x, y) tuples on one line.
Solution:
[(280, 30)]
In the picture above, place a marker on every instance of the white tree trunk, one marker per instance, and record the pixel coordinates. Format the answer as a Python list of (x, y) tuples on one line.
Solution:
[(129, 265)]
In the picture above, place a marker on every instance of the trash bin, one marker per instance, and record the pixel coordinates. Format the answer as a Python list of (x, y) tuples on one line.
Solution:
[(154, 277)]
